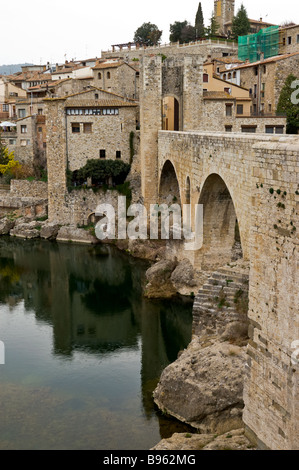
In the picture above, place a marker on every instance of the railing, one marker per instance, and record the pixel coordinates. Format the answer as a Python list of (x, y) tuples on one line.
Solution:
[(177, 44)]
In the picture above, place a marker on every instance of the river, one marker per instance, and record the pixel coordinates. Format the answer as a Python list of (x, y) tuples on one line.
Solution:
[(83, 348)]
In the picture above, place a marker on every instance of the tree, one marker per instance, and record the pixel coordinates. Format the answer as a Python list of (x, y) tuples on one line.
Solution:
[(287, 105), (176, 30), (101, 171), (199, 23), (7, 160), (212, 30), (241, 24), (188, 33), (148, 35)]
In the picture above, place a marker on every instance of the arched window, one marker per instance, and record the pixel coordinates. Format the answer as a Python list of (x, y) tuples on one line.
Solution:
[(99, 76), (108, 75)]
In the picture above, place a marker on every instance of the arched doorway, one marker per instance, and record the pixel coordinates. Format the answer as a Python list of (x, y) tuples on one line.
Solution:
[(221, 235), (171, 114)]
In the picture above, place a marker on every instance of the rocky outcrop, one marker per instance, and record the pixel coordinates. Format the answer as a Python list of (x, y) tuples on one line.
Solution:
[(159, 283), (6, 225), (183, 278), (26, 230), (170, 277), (233, 440), (74, 234), (49, 231), (204, 387)]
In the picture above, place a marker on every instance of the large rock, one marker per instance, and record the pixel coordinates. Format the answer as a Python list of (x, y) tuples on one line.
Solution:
[(233, 440), (50, 231), (159, 283), (204, 387), (74, 234), (183, 278), (6, 225), (27, 230)]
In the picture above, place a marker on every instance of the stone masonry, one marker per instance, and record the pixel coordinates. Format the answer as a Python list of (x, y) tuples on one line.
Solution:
[(252, 179)]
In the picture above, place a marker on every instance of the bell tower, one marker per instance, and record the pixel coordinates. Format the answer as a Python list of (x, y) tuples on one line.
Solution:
[(224, 11)]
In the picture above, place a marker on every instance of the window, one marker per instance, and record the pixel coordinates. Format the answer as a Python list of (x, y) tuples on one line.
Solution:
[(22, 113), (205, 78), (289, 40), (23, 129), (5, 108), (25, 142), (108, 75), (228, 110), (263, 90), (76, 128), (279, 129), (256, 70), (297, 38), (40, 129), (284, 41), (228, 128), (227, 90), (12, 141), (87, 128), (224, 76), (99, 76), (251, 129), (240, 108), (102, 153), (118, 154), (40, 111), (96, 96), (234, 74), (264, 69), (229, 76), (270, 108), (218, 69), (269, 129)]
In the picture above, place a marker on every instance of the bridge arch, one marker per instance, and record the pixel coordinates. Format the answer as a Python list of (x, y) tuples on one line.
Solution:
[(221, 230), (169, 187)]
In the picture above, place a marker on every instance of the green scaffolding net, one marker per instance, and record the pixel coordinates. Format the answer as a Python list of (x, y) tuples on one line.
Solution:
[(265, 42)]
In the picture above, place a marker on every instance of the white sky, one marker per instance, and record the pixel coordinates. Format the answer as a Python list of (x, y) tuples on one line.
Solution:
[(35, 31)]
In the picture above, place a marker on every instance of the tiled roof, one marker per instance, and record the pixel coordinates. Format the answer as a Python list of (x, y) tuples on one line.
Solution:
[(266, 61), (107, 65)]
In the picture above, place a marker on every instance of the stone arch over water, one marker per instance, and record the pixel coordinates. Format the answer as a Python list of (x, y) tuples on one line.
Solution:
[(221, 233)]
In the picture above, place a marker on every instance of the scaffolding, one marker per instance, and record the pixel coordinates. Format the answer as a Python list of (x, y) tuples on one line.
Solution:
[(263, 44)]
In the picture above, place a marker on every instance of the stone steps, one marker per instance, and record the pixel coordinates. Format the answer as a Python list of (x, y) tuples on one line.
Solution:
[(218, 297)]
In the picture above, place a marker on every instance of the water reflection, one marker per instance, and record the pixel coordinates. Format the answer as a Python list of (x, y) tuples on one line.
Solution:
[(92, 299)]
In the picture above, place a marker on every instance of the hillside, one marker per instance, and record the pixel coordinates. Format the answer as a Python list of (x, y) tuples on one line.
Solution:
[(9, 69)]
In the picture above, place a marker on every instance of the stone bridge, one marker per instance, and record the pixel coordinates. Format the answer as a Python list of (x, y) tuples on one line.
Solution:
[(249, 187), (254, 181)]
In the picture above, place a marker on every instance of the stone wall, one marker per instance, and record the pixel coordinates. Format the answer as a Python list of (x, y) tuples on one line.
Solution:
[(214, 118), (293, 33), (111, 133), (205, 49), (24, 188)]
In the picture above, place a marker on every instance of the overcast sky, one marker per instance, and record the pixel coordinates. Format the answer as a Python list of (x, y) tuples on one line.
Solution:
[(35, 31)]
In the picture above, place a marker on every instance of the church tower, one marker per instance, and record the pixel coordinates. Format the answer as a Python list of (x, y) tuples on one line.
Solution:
[(224, 11)]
